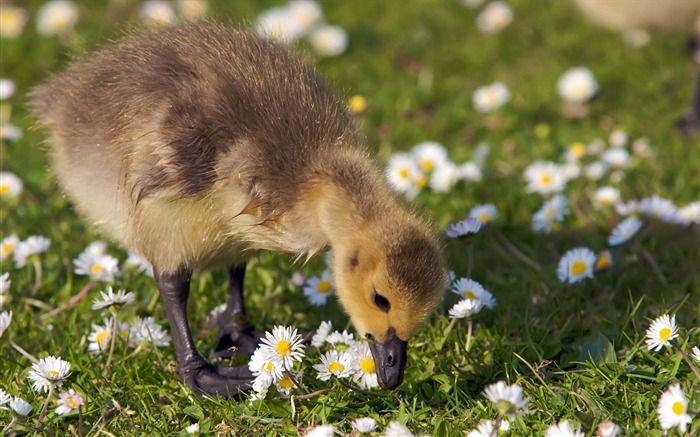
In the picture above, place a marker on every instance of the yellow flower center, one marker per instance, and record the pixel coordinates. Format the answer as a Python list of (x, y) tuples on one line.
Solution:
[(602, 263), (484, 217), (286, 382), (358, 104), (426, 164), (4, 190), (283, 347), (403, 173), (102, 338), (421, 182), (578, 267), (124, 333), (578, 149), (678, 408), (7, 249), (336, 368), (267, 366), (71, 403), (546, 179), (469, 295), (96, 268), (665, 334), (367, 365), (52, 373), (324, 287), (550, 214)]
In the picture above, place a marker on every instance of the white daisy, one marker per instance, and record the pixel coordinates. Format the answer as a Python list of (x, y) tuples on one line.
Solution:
[(553, 211), (69, 401), (140, 263), (483, 429), (605, 197), (192, 10), (31, 246), (429, 155), (603, 261), (689, 213), (7, 246), (490, 97), (262, 361), (48, 372), (577, 85), (99, 267), (284, 343), (508, 399), (402, 172), (544, 177), (624, 231), (395, 429), (12, 21), (618, 138), (673, 409), (260, 386), (280, 24), (608, 429), (470, 289), (444, 177), (495, 17), (576, 265), (662, 330), (194, 428), (5, 320), (366, 373), (466, 228), (307, 13), (486, 213), (334, 363), (329, 40), (7, 88), (56, 17), (112, 299), (616, 158), (158, 13), (596, 170), (318, 290), (341, 341), (10, 185), (465, 308), (5, 283), (285, 384), (696, 353), (321, 334), (320, 431), (658, 207), (20, 406), (4, 397), (100, 337), (642, 148), (146, 330), (10, 132), (564, 429), (364, 425), (627, 208), (469, 171)]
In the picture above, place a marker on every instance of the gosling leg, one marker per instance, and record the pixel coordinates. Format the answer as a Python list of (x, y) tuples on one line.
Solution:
[(201, 376), (236, 335)]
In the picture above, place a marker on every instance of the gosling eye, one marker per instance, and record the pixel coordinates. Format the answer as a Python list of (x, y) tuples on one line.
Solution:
[(382, 302)]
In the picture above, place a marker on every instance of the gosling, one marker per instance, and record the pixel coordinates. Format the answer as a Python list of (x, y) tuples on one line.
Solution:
[(200, 146), (671, 16)]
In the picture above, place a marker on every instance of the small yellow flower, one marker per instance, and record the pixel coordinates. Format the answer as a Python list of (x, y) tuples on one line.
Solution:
[(357, 104)]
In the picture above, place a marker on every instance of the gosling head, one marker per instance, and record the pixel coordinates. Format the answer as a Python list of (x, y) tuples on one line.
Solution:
[(389, 282)]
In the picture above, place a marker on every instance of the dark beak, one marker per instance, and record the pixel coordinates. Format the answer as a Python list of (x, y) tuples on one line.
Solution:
[(390, 360)]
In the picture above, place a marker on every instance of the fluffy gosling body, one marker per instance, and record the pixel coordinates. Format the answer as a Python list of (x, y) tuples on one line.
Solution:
[(201, 145)]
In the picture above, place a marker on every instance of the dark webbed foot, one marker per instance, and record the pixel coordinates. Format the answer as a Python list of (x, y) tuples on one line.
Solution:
[(222, 381)]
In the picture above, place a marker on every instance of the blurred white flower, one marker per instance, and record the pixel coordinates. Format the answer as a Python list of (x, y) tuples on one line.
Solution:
[(192, 10), (33, 245), (7, 246), (395, 429), (642, 148), (4, 397), (56, 17), (100, 337), (429, 155), (486, 213), (146, 330), (157, 13), (280, 24), (576, 265), (5, 283), (673, 409), (260, 387), (5, 320), (595, 147), (112, 299), (469, 171), (696, 353), (465, 308), (544, 177), (99, 267), (495, 17), (321, 334), (689, 213), (141, 264), (483, 429), (12, 21), (658, 207), (10, 185), (564, 429), (596, 170), (402, 172), (608, 429), (194, 428), (20, 406), (7, 88), (490, 97), (318, 290), (364, 425), (48, 372), (577, 85), (471, 3), (553, 211), (508, 399), (321, 431), (307, 14), (470, 289), (618, 138), (616, 158), (341, 341), (329, 40), (661, 331), (444, 177), (624, 231), (10, 132), (605, 197), (468, 227), (69, 401)]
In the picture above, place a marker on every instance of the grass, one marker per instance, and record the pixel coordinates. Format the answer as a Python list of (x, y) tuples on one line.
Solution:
[(577, 351)]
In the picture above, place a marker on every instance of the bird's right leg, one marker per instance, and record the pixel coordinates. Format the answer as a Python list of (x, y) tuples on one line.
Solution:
[(194, 370)]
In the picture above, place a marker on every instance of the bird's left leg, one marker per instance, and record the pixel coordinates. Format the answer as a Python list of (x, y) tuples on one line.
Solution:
[(689, 124), (236, 335)]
